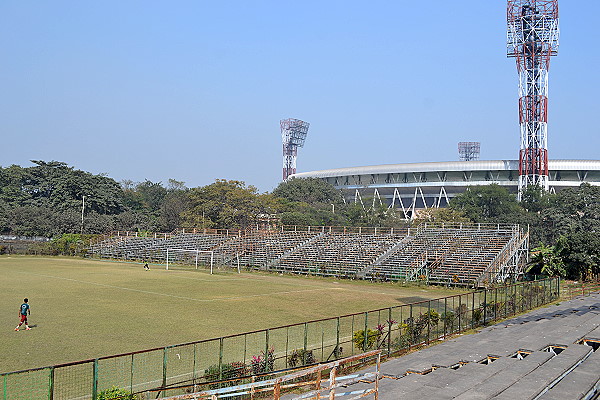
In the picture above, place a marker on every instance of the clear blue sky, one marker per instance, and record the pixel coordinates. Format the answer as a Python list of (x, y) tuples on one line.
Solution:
[(194, 90)]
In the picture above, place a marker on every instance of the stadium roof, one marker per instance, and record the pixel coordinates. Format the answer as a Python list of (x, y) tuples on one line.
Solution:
[(480, 165)]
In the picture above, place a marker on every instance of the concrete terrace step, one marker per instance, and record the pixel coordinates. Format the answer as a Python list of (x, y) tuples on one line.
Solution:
[(571, 373), (581, 381)]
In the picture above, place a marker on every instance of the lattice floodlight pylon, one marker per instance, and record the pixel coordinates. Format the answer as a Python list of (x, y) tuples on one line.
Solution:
[(469, 151), (532, 39), (293, 135)]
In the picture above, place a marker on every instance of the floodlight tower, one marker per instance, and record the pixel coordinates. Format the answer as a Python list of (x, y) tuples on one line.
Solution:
[(532, 39), (469, 151), (293, 135)]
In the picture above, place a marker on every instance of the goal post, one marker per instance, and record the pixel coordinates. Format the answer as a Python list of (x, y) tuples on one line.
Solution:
[(180, 255)]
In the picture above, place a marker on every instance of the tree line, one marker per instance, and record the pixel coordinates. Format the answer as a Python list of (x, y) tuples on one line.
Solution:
[(53, 199)]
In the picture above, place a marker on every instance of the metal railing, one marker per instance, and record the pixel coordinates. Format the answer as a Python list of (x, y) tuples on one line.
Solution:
[(276, 386), (580, 288), (392, 330)]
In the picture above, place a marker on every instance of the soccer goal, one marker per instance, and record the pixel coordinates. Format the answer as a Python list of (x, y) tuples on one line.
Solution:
[(190, 257)]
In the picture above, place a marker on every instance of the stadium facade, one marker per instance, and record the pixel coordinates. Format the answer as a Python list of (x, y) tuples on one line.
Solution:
[(414, 186)]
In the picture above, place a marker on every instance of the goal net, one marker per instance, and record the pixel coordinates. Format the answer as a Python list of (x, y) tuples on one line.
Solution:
[(193, 258)]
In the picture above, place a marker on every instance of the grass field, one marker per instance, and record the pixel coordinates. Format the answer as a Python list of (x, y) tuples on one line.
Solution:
[(84, 309)]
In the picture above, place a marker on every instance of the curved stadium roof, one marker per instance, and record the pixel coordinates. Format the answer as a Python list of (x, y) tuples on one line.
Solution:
[(433, 184)]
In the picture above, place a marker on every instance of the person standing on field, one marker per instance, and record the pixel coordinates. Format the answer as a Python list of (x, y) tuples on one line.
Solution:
[(24, 311)]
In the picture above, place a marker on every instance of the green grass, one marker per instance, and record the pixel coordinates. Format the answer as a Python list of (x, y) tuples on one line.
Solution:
[(84, 309)]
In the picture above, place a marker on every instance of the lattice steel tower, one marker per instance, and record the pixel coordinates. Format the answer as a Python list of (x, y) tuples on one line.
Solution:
[(293, 135), (532, 39), (469, 151)]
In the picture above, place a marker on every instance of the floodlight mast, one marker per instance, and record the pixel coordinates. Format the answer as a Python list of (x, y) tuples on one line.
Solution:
[(469, 151), (293, 135), (532, 38)]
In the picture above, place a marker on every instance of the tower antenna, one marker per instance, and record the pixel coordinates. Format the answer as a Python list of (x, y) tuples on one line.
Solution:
[(532, 39), (293, 135)]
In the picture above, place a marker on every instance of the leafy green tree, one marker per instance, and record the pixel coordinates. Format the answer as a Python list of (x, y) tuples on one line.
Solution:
[(312, 191), (580, 252), (31, 221), (546, 260), (224, 204), (440, 215), (535, 199), (489, 203), (174, 205)]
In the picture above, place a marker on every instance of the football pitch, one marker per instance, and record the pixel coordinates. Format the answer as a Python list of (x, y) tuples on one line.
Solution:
[(82, 309)]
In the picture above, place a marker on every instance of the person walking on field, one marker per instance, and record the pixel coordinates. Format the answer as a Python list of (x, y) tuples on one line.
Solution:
[(24, 311)]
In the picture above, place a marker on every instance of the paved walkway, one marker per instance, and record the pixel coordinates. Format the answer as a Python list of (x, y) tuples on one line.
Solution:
[(544, 354)]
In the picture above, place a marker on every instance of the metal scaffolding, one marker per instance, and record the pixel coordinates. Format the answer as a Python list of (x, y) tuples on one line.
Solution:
[(469, 151), (532, 39), (293, 135)]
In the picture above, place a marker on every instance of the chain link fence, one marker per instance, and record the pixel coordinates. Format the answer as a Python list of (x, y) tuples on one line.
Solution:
[(393, 330)]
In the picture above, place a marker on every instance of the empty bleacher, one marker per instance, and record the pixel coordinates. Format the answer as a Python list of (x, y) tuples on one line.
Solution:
[(549, 353), (450, 254), (337, 254)]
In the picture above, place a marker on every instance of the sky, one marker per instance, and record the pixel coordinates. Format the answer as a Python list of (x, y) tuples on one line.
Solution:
[(194, 90)]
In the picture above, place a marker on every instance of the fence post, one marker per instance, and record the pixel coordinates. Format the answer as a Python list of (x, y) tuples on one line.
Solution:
[(220, 358), (412, 324), (322, 344), (445, 314), (473, 312), (131, 375), (51, 384), (164, 379), (522, 297), (95, 380), (337, 339), (428, 320), (544, 292), (194, 363), (305, 337), (366, 336), (495, 303), (389, 341), (558, 287), (459, 312), (515, 299), (266, 351), (484, 305)]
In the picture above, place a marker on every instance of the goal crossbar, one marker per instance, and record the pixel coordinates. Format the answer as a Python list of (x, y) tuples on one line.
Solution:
[(197, 252)]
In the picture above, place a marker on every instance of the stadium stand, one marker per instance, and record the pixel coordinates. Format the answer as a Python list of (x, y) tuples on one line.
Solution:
[(448, 254), (550, 353)]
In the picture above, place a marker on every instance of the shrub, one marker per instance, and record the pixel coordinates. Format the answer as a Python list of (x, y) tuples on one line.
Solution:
[(477, 315), (362, 343), (448, 319), (301, 357), (412, 329), (229, 371), (263, 363), (115, 393)]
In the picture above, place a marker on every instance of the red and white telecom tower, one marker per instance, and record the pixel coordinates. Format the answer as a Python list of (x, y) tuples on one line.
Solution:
[(293, 135), (532, 39)]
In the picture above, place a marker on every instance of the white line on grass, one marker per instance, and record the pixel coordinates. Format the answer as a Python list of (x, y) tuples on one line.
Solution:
[(175, 296)]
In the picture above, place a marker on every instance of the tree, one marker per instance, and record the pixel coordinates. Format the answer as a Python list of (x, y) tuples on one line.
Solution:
[(489, 203), (546, 260), (175, 203), (224, 204), (440, 215), (535, 199), (312, 191)]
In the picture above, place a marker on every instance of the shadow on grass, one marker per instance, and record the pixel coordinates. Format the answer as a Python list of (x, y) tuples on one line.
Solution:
[(412, 299)]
